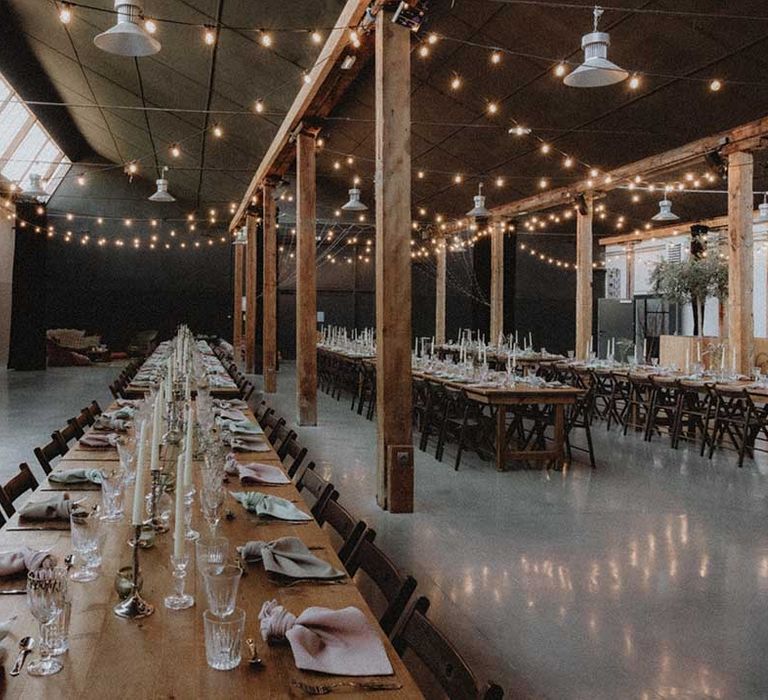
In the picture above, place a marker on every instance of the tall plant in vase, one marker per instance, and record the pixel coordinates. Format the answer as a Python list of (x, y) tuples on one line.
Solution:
[(692, 281)]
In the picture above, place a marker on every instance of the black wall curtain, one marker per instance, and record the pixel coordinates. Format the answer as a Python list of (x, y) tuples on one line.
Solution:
[(481, 266), (27, 348)]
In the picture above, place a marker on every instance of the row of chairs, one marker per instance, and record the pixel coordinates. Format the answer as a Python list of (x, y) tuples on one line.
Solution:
[(407, 627), (710, 415), (244, 385), (58, 446), (119, 386)]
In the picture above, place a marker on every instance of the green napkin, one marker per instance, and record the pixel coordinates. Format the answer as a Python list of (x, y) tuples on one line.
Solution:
[(272, 506), (289, 556), (241, 427), (76, 476), (56, 507)]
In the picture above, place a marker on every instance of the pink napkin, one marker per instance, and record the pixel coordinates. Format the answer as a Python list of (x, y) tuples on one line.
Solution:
[(98, 441), (230, 414), (340, 642), (24, 559), (256, 473)]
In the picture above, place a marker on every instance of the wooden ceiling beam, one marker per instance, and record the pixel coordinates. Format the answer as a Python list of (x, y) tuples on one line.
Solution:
[(751, 136), (326, 83)]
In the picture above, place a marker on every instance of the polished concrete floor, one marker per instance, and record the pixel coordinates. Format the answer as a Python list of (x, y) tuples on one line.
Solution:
[(646, 578)]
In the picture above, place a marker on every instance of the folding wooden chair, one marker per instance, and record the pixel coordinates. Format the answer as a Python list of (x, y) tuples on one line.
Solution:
[(294, 457), (396, 588), (440, 657), (319, 488), (15, 487), (346, 527), (45, 454)]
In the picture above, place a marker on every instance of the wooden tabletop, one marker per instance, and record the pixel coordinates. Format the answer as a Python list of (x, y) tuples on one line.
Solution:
[(163, 655)]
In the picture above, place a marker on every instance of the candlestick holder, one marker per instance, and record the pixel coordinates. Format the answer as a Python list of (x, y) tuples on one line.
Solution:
[(189, 502), (134, 607), (156, 520), (173, 435), (179, 600)]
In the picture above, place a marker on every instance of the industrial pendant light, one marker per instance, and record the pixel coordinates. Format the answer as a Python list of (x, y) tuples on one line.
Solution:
[(763, 209), (597, 70), (354, 203), (128, 37), (665, 212), (162, 194), (479, 211), (35, 189)]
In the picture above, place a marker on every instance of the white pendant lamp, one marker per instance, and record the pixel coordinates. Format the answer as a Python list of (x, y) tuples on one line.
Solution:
[(479, 211), (241, 237), (162, 194), (354, 203), (763, 210), (596, 70), (35, 189), (128, 37), (665, 212)]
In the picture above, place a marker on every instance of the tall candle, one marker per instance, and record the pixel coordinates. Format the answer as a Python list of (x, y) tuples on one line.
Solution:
[(698, 352), (687, 358), (645, 350), (733, 353), (155, 442), (188, 450), (138, 493), (178, 530)]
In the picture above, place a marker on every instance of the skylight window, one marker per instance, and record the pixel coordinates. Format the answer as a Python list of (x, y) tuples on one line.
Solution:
[(26, 148)]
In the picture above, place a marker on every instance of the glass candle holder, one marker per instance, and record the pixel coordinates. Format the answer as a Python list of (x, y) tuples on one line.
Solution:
[(179, 600)]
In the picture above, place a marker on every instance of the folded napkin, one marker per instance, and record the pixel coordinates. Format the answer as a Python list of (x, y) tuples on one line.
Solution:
[(76, 476), (16, 561), (241, 427), (288, 556), (123, 413), (115, 424), (99, 441), (230, 403), (57, 507), (125, 403), (340, 642), (230, 414), (273, 506), (255, 473), (247, 443)]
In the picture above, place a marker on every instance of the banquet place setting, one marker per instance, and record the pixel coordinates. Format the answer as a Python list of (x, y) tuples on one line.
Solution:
[(383, 348)]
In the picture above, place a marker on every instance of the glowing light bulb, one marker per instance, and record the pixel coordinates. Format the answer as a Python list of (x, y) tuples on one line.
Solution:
[(716, 85), (423, 51), (634, 82), (259, 106), (266, 39), (209, 36), (568, 162), (175, 150), (545, 148), (560, 69), (493, 108), (316, 37), (218, 132), (455, 82), (496, 57), (150, 25), (65, 14)]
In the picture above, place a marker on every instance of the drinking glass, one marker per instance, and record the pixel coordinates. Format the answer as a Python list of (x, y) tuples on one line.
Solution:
[(86, 543), (46, 595), (211, 502), (126, 450), (221, 584), (57, 630), (112, 495), (223, 639), (211, 551)]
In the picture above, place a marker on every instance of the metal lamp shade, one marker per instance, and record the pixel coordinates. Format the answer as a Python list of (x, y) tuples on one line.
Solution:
[(479, 211), (763, 212), (665, 212), (35, 188), (127, 37), (596, 70), (354, 203), (162, 194), (241, 237)]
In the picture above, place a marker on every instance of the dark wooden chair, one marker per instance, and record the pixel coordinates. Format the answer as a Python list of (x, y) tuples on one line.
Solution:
[(318, 488), (271, 429), (396, 588), (86, 418), (72, 431), (15, 487), (246, 390), (95, 408), (339, 519), (114, 389), (283, 440), (45, 454), (294, 457), (440, 657)]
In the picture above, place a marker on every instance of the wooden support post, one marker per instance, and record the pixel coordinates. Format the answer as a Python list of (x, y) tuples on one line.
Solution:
[(584, 277), (251, 261), (393, 265), (497, 282), (306, 286), (269, 299), (237, 304), (441, 256), (741, 337)]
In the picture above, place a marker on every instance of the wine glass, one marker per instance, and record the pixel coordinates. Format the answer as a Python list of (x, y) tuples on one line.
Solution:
[(211, 501), (126, 451), (46, 597)]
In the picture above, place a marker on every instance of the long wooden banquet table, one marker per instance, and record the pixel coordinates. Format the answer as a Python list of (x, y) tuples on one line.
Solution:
[(163, 655), (502, 400)]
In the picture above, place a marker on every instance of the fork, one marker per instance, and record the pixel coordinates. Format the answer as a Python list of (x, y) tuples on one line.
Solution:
[(313, 581), (327, 688)]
